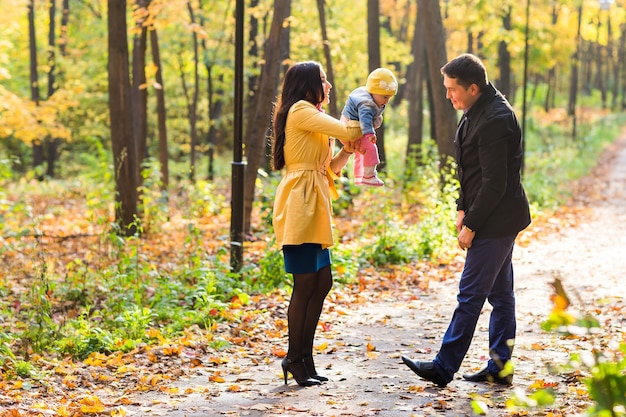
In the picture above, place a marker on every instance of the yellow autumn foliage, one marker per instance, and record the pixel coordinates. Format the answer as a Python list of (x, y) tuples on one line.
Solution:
[(30, 122)]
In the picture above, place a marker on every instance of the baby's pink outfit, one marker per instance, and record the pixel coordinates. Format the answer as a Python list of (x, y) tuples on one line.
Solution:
[(365, 164)]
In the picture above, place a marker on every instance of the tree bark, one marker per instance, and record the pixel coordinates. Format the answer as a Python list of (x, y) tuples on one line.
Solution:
[(573, 86), (51, 144), (253, 55), (65, 18), (621, 72), (285, 54), (193, 103), (415, 93), (332, 106), (34, 81), (215, 99), (120, 108), (504, 59), (51, 48), (161, 110), (615, 64), (375, 61), (551, 81), (256, 136), (139, 90), (601, 65), (444, 114)]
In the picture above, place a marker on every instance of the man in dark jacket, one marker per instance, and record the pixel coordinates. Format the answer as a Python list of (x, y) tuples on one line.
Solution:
[(492, 209)]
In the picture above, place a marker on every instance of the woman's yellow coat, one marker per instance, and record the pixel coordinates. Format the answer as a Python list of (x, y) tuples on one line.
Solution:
[(302, 207)]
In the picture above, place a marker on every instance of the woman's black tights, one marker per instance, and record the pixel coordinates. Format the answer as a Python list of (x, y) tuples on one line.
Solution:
[(305, 308)]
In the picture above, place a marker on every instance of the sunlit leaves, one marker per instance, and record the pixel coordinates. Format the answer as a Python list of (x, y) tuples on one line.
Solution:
[(561, 319), (28, 121), (606, 381), (217, 377), (91, 405), (539, 398), (479, 405)]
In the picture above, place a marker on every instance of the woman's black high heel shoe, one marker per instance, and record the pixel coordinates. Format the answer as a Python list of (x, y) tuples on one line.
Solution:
[(299, 372), (310, 367)]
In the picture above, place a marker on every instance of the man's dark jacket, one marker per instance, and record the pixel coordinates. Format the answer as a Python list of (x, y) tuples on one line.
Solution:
[(489, 157)]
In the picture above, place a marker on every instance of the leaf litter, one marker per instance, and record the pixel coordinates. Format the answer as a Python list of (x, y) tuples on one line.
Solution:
[(364, 329)]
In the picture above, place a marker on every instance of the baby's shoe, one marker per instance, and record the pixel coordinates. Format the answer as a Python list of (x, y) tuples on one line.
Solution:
[(372, 181), (370, 178)]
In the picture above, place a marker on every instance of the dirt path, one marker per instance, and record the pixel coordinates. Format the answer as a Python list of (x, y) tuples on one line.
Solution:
[(362, 355)]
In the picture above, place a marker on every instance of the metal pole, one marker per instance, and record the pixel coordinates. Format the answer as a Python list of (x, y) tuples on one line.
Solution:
[(238, 166)]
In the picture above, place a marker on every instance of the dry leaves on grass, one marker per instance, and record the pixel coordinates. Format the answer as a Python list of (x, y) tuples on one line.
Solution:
[(256, 331)]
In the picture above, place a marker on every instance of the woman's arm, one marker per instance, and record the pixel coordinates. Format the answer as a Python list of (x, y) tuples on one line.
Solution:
[(341, 158), (307, 117)]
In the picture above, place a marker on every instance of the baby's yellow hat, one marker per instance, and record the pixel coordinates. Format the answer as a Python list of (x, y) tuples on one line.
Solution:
[(382, 81)]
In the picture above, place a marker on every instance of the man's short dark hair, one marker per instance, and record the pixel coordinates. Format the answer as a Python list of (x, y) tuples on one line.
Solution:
[(467, 69)]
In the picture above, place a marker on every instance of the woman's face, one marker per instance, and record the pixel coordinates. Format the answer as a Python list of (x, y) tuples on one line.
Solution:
[(326, 85)]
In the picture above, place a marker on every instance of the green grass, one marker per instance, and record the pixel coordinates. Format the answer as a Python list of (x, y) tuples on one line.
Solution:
[(554, 159)]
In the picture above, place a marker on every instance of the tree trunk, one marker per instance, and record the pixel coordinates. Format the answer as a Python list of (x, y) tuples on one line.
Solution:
[(285, 53), (161, 110), (375, 61), (621, 76), (332, 106), (34, 81), (139, 91), (573, 85), (215, 98), (193, 103), (256, 136), (34, 76), (551, 81), (615, 65), (215, 110), (601, 65), (587, 57), (415, 95), (253, 54), (504, 60), (65, 18), (51, 48), (120, 108), (52, 152), (51, 144), (444, 114)]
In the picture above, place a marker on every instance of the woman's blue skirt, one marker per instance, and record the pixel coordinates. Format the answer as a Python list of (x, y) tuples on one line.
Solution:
[(306, 258)]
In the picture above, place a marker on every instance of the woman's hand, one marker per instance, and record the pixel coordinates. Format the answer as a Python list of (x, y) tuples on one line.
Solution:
[(352, 146)]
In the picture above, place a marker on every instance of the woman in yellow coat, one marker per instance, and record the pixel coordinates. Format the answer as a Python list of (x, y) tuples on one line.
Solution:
[(303, 145)]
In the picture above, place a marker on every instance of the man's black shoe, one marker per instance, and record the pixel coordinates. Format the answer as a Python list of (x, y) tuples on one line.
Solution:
[(484, 375), (425, 370)]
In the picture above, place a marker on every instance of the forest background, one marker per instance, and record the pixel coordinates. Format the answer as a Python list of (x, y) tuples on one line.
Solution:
[(119, 127)]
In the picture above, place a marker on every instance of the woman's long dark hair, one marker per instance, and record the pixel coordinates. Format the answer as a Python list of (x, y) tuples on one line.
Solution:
[(302, 82)]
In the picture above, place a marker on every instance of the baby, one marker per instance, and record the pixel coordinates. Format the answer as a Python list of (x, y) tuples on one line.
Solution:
[(364, 108)]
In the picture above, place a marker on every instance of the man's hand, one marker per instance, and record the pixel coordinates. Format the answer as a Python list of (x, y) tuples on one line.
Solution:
[(466, 236), (460, 215)]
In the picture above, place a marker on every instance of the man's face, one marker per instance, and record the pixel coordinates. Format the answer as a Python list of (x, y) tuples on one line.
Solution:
[(462, 98)]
